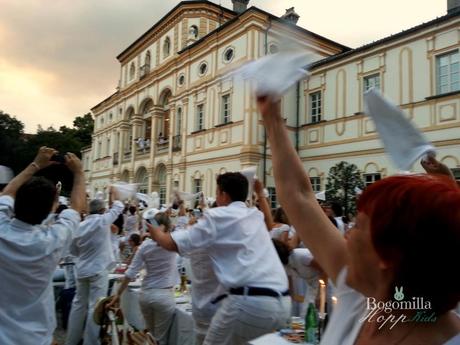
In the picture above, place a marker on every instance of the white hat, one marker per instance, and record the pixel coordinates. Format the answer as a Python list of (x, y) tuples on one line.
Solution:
[(6, 174), (150, 213)]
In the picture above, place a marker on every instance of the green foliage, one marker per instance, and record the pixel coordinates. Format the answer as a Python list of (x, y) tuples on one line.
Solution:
[(342, 181), (18, 149)]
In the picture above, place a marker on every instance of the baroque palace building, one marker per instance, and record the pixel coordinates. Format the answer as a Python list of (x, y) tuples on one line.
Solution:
[(179, 118)]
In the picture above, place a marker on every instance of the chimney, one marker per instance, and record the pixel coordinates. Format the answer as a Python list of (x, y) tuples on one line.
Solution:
[(239, 6), (453, 6), (292, 17)]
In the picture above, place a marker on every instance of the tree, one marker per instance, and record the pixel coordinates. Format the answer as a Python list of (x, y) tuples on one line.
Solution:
[(342, 181), (11, 141)]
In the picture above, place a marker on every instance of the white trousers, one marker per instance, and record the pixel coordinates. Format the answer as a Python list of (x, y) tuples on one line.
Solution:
[(158, 307), (243, 318), (201, 327), (89, 291)]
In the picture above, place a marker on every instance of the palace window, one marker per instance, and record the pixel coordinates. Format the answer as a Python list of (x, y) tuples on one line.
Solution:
[(197, 185), (166, 47), (316, 184), (132, 71), (371, 178), (272, 197), (203, 68), (199, 124), (372, 81), (226, 109), (229, 53), (448, 72), (315, 107)]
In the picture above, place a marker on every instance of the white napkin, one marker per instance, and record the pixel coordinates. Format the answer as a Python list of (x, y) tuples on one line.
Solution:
[(125, 190), (63, 201), (403, 142), (188, 196), (99, 196), (250, 174), (275, 74), (6, 174), (321, 195), (144, 198), (155, 200)]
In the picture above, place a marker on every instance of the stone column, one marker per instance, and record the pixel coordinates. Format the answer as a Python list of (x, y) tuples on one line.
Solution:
[(156, 112)]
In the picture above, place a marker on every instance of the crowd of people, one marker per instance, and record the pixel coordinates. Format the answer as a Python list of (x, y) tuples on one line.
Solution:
[(251, 268)]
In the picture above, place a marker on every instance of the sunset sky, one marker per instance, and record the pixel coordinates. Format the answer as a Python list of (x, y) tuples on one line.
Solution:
[(57, 57)]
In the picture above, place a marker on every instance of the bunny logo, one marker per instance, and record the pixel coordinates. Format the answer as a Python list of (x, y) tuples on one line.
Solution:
[(399, 295)]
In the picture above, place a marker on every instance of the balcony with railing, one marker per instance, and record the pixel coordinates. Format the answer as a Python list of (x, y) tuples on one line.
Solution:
[(162, 145), (177, 143)]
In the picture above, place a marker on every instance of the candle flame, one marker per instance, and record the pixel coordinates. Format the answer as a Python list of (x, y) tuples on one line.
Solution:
[(322, 282)]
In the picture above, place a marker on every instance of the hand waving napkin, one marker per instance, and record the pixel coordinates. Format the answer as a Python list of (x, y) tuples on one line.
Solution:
[(403, 142)]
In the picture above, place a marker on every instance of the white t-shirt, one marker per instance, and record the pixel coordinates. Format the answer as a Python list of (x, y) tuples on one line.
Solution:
[(159, 263), (345, 324), (28, 258), (237, 241)]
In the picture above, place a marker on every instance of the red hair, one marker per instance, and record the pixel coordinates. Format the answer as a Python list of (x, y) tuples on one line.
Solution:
[(415, 227)]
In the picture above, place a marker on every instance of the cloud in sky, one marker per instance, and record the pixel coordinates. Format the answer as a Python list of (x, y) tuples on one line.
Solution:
[(58, 60)]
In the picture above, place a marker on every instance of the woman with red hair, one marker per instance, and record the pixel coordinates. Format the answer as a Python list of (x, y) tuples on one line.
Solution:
[(397, 274)]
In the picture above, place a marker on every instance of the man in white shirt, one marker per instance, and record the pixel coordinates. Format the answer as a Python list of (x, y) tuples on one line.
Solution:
[(30, 252), (92, 246), (244, 261)]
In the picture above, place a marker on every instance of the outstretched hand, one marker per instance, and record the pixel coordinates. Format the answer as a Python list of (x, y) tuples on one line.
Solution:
[(73, 163), (269, 108), (258, 187), (113, 302)]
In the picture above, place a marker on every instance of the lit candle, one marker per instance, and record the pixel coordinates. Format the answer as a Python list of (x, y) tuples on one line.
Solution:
[(322, 298), (334, 301)]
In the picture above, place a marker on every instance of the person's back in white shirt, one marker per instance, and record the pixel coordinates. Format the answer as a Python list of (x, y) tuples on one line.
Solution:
[(159, 263), (28, 258), (239, 245), (91, 242)]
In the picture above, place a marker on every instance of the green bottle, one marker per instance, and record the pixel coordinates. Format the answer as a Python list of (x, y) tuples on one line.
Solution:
[(311, 325)]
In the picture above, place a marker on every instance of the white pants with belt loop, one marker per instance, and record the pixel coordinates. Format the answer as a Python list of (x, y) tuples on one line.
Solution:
[(243, 318)]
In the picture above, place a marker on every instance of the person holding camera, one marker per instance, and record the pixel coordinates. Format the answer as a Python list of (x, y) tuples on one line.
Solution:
[(30, 251)]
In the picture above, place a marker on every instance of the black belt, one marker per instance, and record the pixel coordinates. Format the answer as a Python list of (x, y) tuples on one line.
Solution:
[(251, 291)]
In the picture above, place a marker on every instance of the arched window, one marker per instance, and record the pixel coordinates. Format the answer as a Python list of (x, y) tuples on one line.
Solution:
[(178, 121), (166, 47), (147, 60), (147, 125), (193, 32), (132, 71), (162, 184), (143, 179)]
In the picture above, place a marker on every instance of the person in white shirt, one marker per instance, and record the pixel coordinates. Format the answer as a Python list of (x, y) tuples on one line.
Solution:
[(30, 251), (92, 247), (384, 259), (205, 285), (244, 261), (157, 296), (132, 221)]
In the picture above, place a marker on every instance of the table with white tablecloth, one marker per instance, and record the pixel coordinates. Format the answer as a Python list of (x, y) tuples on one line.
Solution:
[(181, 333)]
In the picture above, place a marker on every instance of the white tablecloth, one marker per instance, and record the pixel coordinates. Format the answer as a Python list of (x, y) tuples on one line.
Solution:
[(182, 332), (272, 339)]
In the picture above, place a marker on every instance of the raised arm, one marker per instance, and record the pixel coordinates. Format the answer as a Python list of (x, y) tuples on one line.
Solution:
[(78, 194), (297, 197), (163, 239), (41, 161), (263, 204)]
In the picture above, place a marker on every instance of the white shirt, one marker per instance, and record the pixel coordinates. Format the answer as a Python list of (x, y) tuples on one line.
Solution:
[(299, 267), (131, 224), (238, 243), (340, 224), (28, 258), (159, 263), (205, 285), (91, 243), (344, 325)]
